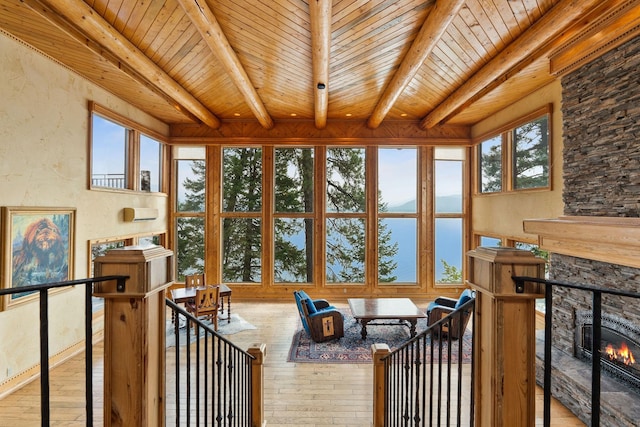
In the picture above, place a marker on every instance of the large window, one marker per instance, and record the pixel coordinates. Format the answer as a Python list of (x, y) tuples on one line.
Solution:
[(449, 214), (518, 158), (242, 215), (336, 216), (345, 215), (397, 215), (123, 154), (294, 215), (189, 170)]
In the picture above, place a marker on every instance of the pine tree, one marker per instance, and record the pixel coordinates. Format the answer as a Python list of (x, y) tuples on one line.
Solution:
[(532, 154), (191, 230), (294, 193), (491, 165), (242, 236), (451, 273)]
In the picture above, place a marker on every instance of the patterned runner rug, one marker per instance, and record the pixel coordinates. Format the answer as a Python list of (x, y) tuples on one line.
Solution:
[(352, 349)]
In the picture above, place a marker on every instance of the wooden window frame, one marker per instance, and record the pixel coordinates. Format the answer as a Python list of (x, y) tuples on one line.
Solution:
[(132, 161), (508, 153)]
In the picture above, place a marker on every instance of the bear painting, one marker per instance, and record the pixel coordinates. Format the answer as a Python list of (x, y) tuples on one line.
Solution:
[(40, 248)]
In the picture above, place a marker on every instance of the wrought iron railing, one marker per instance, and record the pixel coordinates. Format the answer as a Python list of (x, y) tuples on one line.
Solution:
[(43, 294), (429, 380), (211, 378), (596, 363)]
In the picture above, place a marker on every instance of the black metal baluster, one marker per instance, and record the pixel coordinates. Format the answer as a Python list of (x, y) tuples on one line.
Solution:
[(44, 358), (548, 301), (595, 359), (88, 351)]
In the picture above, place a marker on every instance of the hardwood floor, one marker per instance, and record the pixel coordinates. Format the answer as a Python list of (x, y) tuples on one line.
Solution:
[(296, 394)]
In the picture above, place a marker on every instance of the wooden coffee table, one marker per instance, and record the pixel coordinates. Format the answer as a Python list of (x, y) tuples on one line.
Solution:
[(364, 310)]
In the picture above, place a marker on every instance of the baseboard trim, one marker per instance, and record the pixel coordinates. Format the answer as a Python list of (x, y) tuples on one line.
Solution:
[(11, 385)]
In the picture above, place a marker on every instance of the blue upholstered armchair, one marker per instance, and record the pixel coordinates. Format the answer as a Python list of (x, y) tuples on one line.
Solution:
[(443, 306), (322, 321)]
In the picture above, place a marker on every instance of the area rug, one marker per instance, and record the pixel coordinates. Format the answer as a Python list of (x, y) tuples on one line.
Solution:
[(352, 349), (237, 324)]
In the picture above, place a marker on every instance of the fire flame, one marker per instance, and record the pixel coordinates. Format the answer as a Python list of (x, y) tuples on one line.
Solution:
[(621, 355)]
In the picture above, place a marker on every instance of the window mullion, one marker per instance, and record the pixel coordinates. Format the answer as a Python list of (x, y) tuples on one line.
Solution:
[(426, 235), (320, 208), (371, 234), (268, 207), (213, 221), (507, 160), (133, 159)]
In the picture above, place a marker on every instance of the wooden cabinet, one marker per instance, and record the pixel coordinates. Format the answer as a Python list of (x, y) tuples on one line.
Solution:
[(134, 340), (505, 348)]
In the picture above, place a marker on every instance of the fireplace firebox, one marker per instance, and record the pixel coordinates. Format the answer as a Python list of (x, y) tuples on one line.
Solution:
[(619, 346)]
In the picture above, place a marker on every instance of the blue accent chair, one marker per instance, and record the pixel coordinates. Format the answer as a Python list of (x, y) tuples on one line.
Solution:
[(443, 306), (320, 320)]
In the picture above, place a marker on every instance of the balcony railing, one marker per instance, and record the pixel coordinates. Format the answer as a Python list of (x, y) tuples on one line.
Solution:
[(424, 382), (42, 290), (213, 378), (596, 363), (109, 180)]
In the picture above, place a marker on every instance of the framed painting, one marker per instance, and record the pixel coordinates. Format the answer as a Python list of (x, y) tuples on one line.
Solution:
[(38, 247)]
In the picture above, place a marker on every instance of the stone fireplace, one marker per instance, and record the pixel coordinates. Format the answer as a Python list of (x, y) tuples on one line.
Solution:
[(597, 243), (599, 252), (618, 350)]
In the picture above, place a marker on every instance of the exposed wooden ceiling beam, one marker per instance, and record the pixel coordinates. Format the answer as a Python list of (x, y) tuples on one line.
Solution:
[(440, 16), (209, 28), (320, 14), (78, 14), (534, 42)]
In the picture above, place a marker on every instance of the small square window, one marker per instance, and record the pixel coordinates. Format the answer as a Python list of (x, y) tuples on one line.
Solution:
[(531, 154), (150, 164), (109, 148), (490, 155)]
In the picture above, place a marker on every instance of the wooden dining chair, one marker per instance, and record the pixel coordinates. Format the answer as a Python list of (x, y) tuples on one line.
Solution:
[(205, 304), (194, 281)]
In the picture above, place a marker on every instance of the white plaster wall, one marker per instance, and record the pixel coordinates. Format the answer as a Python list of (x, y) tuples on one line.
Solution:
[(502, 214), (44, 121)]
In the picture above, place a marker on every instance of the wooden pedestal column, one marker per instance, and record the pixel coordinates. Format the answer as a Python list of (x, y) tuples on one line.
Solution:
[(505, 348), (134, 339)]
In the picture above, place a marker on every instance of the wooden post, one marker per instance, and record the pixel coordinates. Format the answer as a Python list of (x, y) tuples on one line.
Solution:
[(257, 384), (379, 351), (134, 339), (504, 358)]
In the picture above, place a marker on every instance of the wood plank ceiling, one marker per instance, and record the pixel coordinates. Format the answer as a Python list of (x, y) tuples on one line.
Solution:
[(211, 61)]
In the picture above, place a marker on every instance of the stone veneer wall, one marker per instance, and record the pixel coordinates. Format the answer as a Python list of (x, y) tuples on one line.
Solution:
[(601, 135), (601, 166)]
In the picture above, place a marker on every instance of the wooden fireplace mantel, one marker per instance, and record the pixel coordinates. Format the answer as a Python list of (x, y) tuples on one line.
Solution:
[(608, 239)]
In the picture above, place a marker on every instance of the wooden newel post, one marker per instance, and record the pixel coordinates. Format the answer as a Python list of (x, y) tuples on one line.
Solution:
[(134, 334), (379, 351), (259, 351), (505, 326)]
